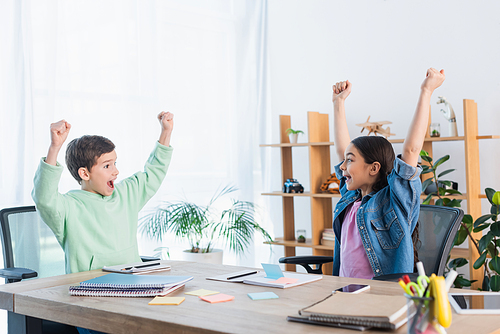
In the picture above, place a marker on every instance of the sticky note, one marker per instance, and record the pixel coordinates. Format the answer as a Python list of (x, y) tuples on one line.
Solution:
[(285, 280), (166, 301), (262, 295), (201, 292), (221, 297), (272, 270)]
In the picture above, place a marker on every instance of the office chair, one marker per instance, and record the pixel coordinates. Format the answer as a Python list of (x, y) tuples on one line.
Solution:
[(31, 250), (437, 228)]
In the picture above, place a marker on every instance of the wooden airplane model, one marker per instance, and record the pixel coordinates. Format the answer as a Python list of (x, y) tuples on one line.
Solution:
[(376, 127)]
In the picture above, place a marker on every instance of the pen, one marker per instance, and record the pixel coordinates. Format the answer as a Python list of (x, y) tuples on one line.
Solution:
[(143, 266), (245, 274)]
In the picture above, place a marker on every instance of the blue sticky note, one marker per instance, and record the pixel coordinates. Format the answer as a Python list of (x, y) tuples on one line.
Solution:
[(273, 271), (262, 295)]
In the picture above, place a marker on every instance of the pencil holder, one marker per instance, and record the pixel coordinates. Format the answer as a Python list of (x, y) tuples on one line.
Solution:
[(420, 317)]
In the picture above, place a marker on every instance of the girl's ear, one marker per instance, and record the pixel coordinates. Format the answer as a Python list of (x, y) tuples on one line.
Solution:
[(375, 168), (83, 173)]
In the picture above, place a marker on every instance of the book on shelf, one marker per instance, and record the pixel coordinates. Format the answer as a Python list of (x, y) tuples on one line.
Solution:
[(118, 285), (326, 242), (364, 309)]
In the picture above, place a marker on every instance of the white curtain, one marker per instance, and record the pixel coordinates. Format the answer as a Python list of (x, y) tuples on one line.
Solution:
[(109, 67)]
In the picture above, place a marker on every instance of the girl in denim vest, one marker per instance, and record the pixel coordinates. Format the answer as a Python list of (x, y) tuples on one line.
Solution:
[(377, 214)]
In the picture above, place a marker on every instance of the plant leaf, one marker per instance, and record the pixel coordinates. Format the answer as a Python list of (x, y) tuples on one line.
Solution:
[(485, 240), (482, 219), (480, 261), (467, 220), (495, 264), (427, 158), (448, 171), (495, 283), (426, 183), (489, 194), (495, 229), (461, 236), (423, 153), (486, 283), (496, 198), (480, 228), (457, 263), (427, 200), (441, 160), (460, 282)]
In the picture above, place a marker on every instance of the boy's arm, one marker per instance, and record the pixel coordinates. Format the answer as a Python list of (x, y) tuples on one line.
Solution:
[(418, 127), (58, 133), (167, 125), (341, 91)]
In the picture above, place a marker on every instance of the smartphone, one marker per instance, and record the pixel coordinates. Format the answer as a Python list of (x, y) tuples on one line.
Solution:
[(353, 288)]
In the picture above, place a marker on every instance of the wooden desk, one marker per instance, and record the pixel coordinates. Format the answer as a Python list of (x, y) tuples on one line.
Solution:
[(48, 298)]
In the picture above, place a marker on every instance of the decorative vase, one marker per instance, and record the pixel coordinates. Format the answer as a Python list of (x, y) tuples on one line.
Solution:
[(293, 137), (215, 256)]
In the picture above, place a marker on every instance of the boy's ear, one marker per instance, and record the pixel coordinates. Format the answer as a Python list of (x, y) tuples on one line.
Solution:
[(83, 173), (375, 168)]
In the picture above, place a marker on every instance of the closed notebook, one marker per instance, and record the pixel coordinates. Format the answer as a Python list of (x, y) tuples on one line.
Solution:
[(121, 292), (365, 309), (298, 278), (119, 281)]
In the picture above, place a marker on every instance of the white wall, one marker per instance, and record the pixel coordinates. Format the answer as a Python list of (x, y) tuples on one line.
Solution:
[(384, 49)]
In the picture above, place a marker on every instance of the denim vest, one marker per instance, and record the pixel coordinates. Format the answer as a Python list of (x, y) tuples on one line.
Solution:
[(385, 219)]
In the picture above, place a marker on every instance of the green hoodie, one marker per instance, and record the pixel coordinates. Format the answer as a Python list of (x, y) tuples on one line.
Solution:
[(96, 230)]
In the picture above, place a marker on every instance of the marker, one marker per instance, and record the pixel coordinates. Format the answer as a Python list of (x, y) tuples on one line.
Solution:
[(450, 279), (143, 266), (403, 285), (245, 274)]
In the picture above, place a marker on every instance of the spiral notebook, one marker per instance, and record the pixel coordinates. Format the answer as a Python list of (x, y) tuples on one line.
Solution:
[(118, 285), (365, 309)]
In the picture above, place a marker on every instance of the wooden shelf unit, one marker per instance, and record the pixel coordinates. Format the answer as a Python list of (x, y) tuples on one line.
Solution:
[(319, 170)]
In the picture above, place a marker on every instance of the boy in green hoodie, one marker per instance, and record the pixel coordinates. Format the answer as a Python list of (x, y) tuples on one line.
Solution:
[(97, 225)]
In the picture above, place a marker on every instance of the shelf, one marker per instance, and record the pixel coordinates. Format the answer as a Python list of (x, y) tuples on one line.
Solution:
[(294, 243), (328, 195), (304, 194), (458, 138), (328, 143)]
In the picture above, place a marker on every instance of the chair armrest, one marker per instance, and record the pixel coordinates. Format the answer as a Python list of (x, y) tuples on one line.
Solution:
[(396, 277), (305, 261), (149, 258), (17, 273)]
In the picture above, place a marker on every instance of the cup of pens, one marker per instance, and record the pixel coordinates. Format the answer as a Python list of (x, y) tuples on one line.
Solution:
[(419, 315)]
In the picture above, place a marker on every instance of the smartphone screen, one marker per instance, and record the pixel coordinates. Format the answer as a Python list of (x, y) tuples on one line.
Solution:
[(353, 288)]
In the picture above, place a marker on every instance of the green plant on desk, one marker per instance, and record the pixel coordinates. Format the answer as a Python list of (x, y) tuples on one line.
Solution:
[(202, 226)]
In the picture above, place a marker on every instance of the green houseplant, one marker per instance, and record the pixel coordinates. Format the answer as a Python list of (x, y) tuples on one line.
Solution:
[(489, 244), (293, 134), (203, 226)]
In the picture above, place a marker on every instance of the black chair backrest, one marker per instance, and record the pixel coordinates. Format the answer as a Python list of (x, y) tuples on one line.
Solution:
[(29, 243), (438, 226)]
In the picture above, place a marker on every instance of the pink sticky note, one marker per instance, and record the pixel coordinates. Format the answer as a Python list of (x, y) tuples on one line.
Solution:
[(219, 298), (285, 280)]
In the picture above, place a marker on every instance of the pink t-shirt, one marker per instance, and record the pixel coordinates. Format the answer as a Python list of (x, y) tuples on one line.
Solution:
[(353, 260)]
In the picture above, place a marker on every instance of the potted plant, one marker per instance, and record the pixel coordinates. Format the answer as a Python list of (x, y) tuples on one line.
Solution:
[(293, 134), (203, 226), (489, 244)]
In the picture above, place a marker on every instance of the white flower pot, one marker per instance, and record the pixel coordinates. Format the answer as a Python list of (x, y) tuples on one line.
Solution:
[(215, 256), (293, 137)]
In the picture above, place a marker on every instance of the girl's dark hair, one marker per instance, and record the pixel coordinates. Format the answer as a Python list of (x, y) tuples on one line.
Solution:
[(84, 152), (376, 149)]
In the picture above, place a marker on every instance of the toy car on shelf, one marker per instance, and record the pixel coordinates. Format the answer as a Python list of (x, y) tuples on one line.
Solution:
[(292, 186)]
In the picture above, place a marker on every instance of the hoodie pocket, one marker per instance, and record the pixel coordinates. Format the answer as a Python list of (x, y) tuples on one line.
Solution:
[(388, 230)]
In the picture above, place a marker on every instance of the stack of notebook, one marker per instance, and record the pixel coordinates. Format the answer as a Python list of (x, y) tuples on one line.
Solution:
[(118, 285), (356, 311)]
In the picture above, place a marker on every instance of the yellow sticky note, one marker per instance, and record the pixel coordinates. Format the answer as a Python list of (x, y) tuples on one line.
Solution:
[(166, 301), (201, 292)]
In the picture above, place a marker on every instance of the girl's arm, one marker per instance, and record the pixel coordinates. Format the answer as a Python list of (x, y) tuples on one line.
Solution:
[(341, 91), (418, 127)]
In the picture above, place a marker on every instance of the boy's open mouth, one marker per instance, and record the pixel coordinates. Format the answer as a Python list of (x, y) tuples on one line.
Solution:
[(111, 184)]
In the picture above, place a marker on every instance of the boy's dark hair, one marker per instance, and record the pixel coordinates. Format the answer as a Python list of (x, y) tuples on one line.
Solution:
[(84, 152), (378, 149)]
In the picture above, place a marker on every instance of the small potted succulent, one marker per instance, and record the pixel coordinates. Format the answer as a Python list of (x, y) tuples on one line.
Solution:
[(293, 134)]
